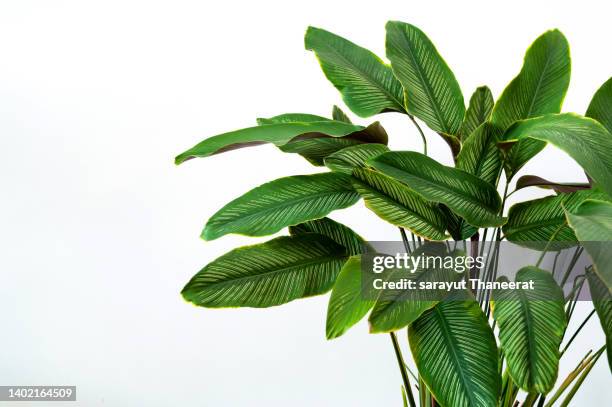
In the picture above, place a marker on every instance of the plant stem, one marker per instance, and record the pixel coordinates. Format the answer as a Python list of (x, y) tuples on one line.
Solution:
[(474, 272), (400, 361), (421, 133), (405, 240), (577, 332)]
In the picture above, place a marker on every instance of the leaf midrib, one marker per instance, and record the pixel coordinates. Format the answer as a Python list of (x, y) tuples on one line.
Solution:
[(456, 353), (531, 347), (320, 260), (428, 90), (282, 206), (368, 78), (445, 188)]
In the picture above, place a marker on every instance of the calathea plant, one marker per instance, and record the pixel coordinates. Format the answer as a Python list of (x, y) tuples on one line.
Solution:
[(475, 350)]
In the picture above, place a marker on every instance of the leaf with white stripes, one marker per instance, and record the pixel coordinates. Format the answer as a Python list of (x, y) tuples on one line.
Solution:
[(543, 219), (480, 155), (349, 158), (394, 202), (339, 233), (432, 92), (366, 83), (339, 115), (478, 111), (346, 303), (582, 138), (602, 300), (465, 194), (592, 222), (268, 274), (538, 89), (455, 352), (531, 326), (398, 308), (281, 203), (600, 107)]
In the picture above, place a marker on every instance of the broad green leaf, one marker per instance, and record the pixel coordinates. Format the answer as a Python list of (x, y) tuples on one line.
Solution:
[(432, 92), (538, 89), (398, 308), (465, 194), (543, 220), (346, 303), (349, 158), (367, 85), (314, 150), (478, 111), (584, 139), (291, 118), (455, 352), (458, 228), (279, 134), (339, 233), (480, 155), (315, 147), (602, 300), (339, 115), (268, 274), (394, 202), (560, 187), (282, 202), (531, 326), (592, 222), (600, 107)]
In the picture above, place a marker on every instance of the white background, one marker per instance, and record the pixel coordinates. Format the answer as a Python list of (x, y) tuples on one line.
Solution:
[(99, 230)]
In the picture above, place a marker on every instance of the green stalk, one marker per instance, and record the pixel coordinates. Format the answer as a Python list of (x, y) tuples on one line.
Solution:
[(582, 377), (570, 378), (421, 133), (400, 361), (577, 332)]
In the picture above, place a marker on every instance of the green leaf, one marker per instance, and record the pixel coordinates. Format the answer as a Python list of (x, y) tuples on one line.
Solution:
[(432, 92), (339, 233), (398, 308), (600, 107), (538, 89), (560, 187), (394, 202), (456, 354), (478, 111), (282, 202), (584, 139), (592, 222), (268, 274), (458, 228), (291, 118), (543, 219), (314, 150), (339, 115), (367, 85), (602, 300), (531, 326), (315, 147), (480, 155), (349, 158), (465, 194), (280, 134), (346, 305)]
